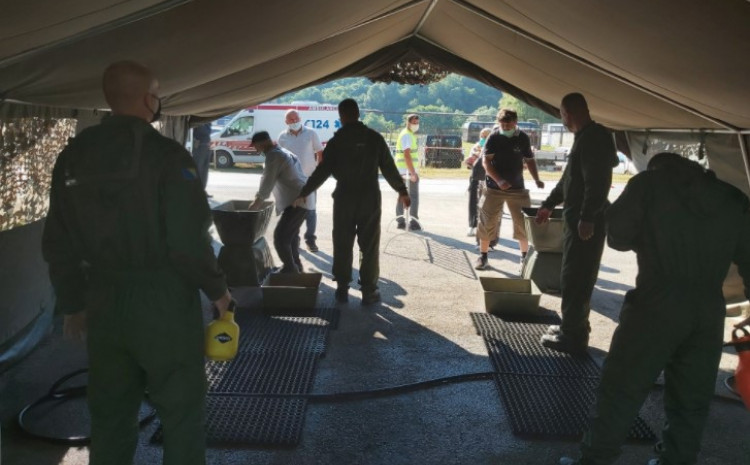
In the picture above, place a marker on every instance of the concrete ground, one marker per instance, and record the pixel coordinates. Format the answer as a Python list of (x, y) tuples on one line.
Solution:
[(422, 330)]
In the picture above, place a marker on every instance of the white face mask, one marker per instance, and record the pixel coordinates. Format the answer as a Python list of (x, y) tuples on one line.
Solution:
[(295, 126), (414, 127)]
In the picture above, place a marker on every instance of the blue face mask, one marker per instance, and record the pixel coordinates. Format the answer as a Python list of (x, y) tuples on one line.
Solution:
[(482, 141), (508, 133)]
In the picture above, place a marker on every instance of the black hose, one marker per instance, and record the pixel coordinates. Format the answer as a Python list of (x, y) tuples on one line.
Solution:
[(57, 394)]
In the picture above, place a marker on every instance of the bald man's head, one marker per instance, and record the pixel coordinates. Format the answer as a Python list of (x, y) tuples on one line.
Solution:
[(574, 111), (131, 89)]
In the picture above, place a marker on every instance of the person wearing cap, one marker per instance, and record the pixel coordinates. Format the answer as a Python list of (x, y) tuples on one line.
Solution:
[(353, 156), (503, 157), (407, 161), (584, 187), (686, 227), (282, 175)]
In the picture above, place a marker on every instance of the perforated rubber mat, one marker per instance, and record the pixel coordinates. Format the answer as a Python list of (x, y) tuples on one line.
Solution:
[(546, 393), (523, 354), (277, 355), (489, 325), (554, 406), (255, 421)]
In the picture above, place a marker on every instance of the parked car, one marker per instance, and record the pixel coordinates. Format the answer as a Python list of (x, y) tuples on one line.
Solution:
[(443, 151)]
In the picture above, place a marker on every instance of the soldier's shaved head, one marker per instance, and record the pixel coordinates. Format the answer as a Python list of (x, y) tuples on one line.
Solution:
[(348, 111), (574, 111), (127, 86)]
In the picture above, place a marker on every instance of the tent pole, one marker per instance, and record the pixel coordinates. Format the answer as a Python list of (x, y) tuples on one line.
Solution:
[(745, 156)]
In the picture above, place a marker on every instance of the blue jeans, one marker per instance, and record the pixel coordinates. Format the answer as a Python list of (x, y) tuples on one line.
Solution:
[(312, 221)]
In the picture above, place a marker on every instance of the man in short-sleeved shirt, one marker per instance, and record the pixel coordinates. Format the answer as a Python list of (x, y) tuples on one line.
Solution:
[(305, 144), (504, 154)]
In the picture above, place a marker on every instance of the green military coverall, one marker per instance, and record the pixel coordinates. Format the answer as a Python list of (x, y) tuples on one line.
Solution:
[(584, 188), (685, 227), (353, 157), (127, 241)]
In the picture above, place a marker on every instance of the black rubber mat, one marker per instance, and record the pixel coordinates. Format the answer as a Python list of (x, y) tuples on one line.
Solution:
[(546, 393), (277, 355), (553, 406), (523, 354), (488, 325), (263, 373), (257, 421), (282, 335)]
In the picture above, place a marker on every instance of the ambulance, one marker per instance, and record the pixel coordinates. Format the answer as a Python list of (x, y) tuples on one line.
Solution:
[(232, 144)]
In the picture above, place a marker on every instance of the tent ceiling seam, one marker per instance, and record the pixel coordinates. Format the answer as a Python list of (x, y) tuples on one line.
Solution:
[(426, 15), (114, 24), (544, 43), (379, 17)]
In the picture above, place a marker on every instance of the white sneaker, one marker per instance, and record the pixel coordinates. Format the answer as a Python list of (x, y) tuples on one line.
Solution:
[(471, 232)]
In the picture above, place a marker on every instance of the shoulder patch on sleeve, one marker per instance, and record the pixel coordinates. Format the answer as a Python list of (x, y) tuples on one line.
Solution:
[(189, 174)]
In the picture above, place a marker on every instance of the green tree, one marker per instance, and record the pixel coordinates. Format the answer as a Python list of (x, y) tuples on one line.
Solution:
[(484, 113), (525, 111)]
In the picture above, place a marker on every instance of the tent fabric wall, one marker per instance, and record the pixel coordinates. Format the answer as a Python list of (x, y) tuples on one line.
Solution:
[(28, 300), (721, 150)]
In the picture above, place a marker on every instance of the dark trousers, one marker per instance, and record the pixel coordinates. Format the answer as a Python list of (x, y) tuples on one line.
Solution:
[(669, 330), (145, 332), (202, 159), (286, 237), (358, 218), (580, 268), (473, 201)]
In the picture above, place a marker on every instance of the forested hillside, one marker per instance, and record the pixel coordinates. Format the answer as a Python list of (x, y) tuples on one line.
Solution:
[(384, 105)]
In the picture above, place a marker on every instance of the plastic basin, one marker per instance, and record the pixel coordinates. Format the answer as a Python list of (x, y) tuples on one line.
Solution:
[(546, 237), (237, 225)]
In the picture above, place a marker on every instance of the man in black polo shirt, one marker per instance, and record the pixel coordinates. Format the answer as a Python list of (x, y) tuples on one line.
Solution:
[(504, 154)]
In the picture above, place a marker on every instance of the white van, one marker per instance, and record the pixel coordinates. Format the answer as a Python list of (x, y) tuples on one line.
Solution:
[(232, 144)]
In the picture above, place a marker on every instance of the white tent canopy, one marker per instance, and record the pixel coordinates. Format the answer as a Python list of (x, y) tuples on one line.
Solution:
[(671, 64)]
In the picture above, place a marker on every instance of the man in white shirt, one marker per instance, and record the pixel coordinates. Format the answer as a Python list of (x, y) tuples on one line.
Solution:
[(283, 176), (305, 144)]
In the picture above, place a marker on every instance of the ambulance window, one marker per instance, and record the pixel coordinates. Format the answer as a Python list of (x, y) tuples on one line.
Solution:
[(240, 127)]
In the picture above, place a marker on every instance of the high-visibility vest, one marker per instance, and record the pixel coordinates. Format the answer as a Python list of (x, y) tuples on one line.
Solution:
[(400, 160)]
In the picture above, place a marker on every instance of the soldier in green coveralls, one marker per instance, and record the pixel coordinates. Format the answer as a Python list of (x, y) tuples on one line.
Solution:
[(128, 249), (353, 156), (584, 187), (685, 227)]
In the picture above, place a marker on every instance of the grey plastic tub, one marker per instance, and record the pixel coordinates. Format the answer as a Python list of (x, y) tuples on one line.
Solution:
[(237, 225), (546, 237)]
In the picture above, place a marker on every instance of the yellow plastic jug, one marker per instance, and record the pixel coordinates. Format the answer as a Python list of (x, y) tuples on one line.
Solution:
[(223, 336)]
